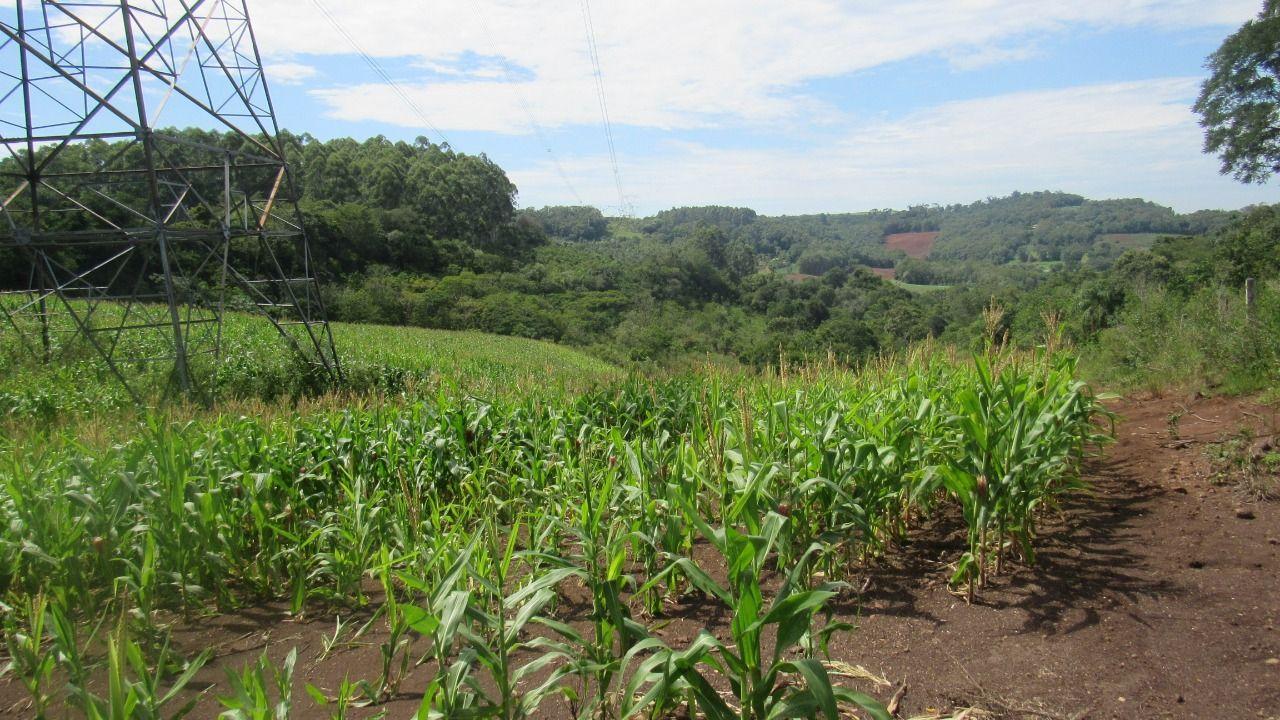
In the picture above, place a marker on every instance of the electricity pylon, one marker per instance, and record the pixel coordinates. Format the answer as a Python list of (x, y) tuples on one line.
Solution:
[(133, 240)]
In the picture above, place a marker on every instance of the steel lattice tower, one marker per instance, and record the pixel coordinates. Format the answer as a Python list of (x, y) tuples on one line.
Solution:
[(131, 237)]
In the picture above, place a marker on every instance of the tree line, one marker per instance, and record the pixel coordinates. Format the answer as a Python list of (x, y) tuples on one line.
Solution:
[(418, 233)]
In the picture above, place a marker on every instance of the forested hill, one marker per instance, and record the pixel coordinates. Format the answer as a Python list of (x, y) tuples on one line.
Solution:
[(1028, 227), (420, 234), (422, 207)]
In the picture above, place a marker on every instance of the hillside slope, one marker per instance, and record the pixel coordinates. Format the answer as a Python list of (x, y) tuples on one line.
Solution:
[(473, 360), (256, 365)]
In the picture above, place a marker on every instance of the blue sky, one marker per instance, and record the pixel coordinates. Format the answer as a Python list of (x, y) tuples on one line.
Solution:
[(786, 107)]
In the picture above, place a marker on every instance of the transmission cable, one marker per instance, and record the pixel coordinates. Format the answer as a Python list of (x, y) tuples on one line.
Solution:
[(524, 105), (380, 71), (594, 52)]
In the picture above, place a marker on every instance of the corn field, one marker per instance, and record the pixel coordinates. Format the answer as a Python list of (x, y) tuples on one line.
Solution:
[(464, 521)]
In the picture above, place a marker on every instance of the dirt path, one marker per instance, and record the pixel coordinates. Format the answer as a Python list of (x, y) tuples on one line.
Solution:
[(1152, 598)]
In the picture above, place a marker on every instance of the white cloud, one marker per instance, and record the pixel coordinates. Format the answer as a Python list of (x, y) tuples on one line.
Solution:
[(1113, 140), (671, 63), (493, 65), (289, 73), (973, 58)]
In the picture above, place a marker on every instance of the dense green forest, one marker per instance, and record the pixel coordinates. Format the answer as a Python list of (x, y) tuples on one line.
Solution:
[(419, 234), (731, 283)]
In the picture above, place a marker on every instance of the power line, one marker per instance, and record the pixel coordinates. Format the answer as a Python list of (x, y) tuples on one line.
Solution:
[(594, 52), (378, 69), (554, 160), (524, 105)]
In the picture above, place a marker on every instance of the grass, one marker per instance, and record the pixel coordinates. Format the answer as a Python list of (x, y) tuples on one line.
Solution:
[(1135, 241), (1207, 341), (478, 362), (256, 366), (913, 287), (474, 504), (1250, 464)]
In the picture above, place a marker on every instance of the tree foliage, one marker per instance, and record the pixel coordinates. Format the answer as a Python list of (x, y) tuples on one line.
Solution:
[(417, 233), (1239, 104), (570, 223)]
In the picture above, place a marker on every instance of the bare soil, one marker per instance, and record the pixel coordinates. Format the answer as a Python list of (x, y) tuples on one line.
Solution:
[(1155, 595), (914, 244)]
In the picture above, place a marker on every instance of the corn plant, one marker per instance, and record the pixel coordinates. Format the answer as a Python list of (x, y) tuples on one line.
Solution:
[(394, 652), (441, 620), (601, 543), (1020, 436), (251, 690), (497, 622), (759, 675), (663, 678), (479, 515), (29, 661), (138, 687), (348, 697)]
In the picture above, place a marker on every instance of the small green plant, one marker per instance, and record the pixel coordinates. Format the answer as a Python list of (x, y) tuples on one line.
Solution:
[(140, 689), (348, 697), (29, 661), (1174, 419), (440, 619), (601, 543), (251, 690), (1251, 466), (764, 679), (329, 643), (497, 623), (395, 650)]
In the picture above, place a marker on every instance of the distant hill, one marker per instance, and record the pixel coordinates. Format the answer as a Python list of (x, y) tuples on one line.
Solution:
[(1036, 227)]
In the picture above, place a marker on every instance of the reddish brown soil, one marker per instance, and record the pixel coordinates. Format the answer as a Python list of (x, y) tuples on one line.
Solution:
[(914, 244), (1151, 598), (1156, 595), (886, 273)]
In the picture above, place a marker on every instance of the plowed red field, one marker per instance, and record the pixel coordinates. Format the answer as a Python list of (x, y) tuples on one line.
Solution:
[(914, 244)]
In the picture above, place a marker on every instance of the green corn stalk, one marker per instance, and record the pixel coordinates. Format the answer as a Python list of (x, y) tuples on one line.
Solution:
[(137, 687), (342, 703), (251, 690), (29, 661), (757, 674), (602, 545)]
